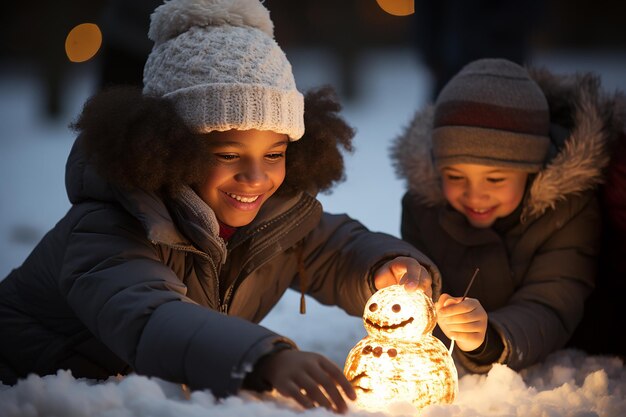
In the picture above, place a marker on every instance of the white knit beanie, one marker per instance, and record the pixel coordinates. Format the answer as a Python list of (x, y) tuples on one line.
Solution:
[(218, 62)]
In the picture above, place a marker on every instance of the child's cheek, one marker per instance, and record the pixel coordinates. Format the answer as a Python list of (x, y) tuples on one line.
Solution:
[(451, 194), (446, 188)]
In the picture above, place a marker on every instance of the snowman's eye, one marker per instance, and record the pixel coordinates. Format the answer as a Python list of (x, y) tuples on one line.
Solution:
[(396, 308), (373, 307)]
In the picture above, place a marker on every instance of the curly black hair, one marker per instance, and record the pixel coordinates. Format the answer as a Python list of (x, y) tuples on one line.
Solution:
[(315, 162), (137, 141)]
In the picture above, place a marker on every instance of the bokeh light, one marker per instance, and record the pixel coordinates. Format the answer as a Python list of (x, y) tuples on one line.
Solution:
[(83, 42), (397, 7)]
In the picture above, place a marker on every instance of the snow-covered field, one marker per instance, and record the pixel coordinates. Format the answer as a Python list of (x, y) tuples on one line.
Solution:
[(32, 158)]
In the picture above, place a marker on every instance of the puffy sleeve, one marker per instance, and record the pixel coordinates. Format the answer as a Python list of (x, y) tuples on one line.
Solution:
[(341, 255)]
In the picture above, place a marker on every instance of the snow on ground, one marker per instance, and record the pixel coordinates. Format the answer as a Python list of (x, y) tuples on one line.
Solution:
[(568, 384), (32, 158)]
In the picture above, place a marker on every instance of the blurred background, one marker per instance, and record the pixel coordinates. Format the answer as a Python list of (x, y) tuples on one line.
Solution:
[(385, 59)]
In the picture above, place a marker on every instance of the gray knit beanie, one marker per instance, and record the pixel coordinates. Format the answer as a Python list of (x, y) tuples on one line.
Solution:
[(491, 113), (218, 62)]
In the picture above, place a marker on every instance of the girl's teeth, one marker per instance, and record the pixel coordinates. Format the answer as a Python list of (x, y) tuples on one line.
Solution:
[(243, 199)]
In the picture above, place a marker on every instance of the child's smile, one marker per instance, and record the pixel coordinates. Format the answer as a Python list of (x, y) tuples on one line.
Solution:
[(479, 215), (244, 202), (247, 167), (483, 193)]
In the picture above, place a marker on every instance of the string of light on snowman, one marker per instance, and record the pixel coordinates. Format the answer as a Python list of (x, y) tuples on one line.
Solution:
[(400, 360)]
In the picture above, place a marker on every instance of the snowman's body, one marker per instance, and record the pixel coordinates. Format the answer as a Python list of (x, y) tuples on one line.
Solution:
[(400, 360)]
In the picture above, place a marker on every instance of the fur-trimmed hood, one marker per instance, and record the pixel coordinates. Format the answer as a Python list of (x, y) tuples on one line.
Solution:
[(584, 119)]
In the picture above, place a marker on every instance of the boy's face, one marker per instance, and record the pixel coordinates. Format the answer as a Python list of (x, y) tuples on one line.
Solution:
[(247, 167), (483, 193)]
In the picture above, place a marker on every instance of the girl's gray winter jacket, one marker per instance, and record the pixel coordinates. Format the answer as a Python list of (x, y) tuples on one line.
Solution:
[(130, 281)]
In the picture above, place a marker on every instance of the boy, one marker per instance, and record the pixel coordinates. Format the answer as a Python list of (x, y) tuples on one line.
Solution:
[(502, 177)]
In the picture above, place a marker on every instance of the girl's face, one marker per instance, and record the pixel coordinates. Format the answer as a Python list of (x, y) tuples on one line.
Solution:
[(247, 167), (483, 193)]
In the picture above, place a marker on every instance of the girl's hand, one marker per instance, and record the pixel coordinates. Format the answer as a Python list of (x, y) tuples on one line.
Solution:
[(404, 271), (463, 321), (307, 377)]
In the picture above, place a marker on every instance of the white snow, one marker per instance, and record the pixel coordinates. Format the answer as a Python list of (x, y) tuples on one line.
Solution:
[(32, 159)]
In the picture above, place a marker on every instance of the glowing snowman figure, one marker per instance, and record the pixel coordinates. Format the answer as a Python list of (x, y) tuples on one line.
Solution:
[(400, 359)]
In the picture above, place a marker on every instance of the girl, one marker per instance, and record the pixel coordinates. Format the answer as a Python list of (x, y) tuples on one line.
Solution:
[(193, 211)]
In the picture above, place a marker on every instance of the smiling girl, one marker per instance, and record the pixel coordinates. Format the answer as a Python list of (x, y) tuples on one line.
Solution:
[(502, 176), (193, 211)]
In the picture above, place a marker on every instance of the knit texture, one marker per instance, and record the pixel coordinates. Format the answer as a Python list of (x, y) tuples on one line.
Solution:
[(218, 62), (492, 113)]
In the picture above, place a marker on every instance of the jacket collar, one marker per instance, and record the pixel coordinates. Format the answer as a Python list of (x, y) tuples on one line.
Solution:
[(182, 221), (583, 122), (185, 220), (283, 213), (164, 219)]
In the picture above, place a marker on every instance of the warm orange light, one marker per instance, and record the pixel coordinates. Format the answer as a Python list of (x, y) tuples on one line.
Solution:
[(83, 42), (397, 7), (400, 360)]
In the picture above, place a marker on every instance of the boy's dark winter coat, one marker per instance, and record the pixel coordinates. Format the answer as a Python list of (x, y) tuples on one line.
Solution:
[(536, 272), (130, 280)]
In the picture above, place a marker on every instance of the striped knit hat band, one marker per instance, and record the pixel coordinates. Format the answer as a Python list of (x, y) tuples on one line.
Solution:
[(491, 113)]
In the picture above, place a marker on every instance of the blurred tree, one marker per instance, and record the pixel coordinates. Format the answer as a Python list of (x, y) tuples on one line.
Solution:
[(126, 45), (447, 33), (451, 33), (347, 28)]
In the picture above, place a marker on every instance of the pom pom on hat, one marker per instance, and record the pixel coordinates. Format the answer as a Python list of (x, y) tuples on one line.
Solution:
[(175, 17), (218, 62), (492, 113)]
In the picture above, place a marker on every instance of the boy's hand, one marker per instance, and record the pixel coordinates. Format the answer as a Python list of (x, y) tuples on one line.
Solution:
[(404, 271), (308, 378), (463, 321)]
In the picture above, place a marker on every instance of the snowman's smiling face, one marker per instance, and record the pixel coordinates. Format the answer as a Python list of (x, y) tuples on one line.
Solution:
[(392, 312)]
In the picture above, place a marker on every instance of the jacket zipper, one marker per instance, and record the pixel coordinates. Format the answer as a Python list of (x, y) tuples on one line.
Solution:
[(191, 249), (224, 304), (231, 290)]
